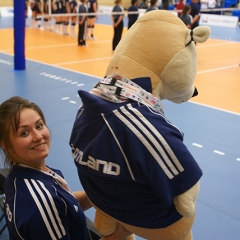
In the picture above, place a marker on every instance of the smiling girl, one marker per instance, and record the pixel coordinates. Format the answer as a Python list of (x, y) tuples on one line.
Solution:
[(38, 202)]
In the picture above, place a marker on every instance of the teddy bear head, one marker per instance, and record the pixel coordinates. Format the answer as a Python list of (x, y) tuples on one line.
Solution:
[(161, 47)]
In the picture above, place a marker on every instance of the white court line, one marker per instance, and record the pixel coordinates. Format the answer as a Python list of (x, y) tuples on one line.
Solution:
[(197, 145), (217, 44), (219, 109), (104, 41), (88, 60), (218, 152), (55, 46), (48, 46), (97, 77), (218, 69)]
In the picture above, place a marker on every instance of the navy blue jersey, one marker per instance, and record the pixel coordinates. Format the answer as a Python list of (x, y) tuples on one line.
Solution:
[(195, 10), (132, 18), (131, 161), (58, 7), (90, 4), (35, 6), (46, 6), (38, 208), (64, 5), (73, 6)]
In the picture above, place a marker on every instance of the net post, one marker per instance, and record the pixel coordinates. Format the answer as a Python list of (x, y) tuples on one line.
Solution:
[(19, 34)]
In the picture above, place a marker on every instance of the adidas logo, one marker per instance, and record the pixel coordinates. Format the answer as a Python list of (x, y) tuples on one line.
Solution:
[(76, 208)]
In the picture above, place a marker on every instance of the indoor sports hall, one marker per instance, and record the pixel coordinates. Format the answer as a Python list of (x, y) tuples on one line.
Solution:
[(56, 68)]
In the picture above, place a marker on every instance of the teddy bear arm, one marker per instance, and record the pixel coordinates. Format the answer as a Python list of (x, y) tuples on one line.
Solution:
[(104, 224), (185, 203)]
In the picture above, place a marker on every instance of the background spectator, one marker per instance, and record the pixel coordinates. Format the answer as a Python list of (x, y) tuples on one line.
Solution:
[(186, 17), (132, 18)]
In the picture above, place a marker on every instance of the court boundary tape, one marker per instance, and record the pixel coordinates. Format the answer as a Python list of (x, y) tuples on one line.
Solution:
[(81, 73)]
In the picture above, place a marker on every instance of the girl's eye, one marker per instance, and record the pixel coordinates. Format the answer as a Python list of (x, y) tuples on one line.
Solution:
[(24, 134), (40, 126)]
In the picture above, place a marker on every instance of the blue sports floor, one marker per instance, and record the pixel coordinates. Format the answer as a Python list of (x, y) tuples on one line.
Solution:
[(212, 136)]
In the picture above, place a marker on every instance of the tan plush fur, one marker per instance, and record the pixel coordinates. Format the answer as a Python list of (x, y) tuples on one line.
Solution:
[(155, 47)]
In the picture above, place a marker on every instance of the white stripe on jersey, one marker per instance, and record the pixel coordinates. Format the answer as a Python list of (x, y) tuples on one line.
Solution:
[(160, 137), (126, 160), (146, 141), (54, 208), (151, 138), (40, 208)]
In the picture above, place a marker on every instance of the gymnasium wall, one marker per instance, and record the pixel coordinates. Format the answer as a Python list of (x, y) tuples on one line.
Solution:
[(6, 3)]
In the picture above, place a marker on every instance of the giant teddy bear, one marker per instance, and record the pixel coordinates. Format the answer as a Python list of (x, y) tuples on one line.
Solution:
[(131, 160)]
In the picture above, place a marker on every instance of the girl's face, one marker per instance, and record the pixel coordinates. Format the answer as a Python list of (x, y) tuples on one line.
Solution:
[(31, 144)]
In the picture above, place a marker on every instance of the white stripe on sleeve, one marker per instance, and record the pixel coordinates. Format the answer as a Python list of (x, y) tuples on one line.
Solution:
[(40, 208), (54, 208), (145, 143), (160, 137), (125, 158)]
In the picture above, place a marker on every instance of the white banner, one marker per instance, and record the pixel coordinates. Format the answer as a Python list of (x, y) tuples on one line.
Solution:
[(219, 20), (6, 11), (105, 9)]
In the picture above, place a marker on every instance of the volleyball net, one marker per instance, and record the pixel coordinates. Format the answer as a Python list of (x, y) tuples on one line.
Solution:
[(65, 24)]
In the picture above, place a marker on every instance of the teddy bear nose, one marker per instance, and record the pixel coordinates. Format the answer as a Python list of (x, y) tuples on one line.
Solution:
[(195, 93)]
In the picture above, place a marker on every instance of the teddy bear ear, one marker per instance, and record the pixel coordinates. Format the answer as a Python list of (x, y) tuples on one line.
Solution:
[(201, 33)]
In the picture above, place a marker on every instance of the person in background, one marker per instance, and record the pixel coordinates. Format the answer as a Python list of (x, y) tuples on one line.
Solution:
[(38, 202), (180, 7), (165, 4), (117, 22), (33, 18), (47, 20), (219, 4), (186, 17), (153, 6), (159, 4), (195, 13), (82, 24), (65, 19), (212, 6), (57, 10), (73, 9), (143, 4), (204, 5), (132, 18), (38, 13), (92, 8), (26, 13), (36, 8)]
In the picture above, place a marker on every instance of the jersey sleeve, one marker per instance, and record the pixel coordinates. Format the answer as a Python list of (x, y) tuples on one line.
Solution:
[(38, 212)]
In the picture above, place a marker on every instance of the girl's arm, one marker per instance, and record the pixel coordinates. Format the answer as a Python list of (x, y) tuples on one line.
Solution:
[(120, 234), (118, 21)]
